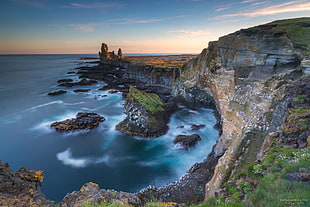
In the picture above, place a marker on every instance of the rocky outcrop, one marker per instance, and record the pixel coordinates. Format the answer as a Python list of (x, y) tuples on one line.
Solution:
[(105, 55), (82, 121), (54, 93), (21, 188), (245, 74), (91, 194), (187, 141), (147, 115), (83, 82)]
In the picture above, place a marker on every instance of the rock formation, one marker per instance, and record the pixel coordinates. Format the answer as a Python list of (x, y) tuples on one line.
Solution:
[(105, 55), (245, 74), (146, 115), (91, 194), (82, 121), (21, 188), (187, 141)]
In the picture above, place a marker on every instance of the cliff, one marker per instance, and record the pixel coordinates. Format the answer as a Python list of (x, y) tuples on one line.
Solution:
[(246, 73)]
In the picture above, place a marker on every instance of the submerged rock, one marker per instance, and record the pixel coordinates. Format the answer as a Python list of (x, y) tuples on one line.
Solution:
[(65, 80), (196, 127), (146, 115), (91, 194), (187, 141), (82, 121), (54, 93), (81, 90), (21, 188)]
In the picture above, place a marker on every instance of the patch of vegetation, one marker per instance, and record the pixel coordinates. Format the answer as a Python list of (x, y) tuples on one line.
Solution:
[(298, 30), (150, 101)]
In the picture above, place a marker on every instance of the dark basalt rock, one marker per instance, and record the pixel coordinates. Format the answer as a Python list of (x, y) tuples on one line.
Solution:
[(54, 93), (83, 82), (196, 127), (65, 80), (82, 121), (21, 188), (302, 175), (81, 90), (187, 141)]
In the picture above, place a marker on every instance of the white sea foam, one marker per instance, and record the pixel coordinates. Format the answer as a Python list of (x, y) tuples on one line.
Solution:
[(67, 159), (46, 104), (43, 126)]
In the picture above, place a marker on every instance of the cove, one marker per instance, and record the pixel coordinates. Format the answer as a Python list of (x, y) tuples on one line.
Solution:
[(102, 155)]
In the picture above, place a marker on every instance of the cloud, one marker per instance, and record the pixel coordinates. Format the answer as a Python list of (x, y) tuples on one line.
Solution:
[(291, 6), (95, 5), (188, 33), (90, 27), (133, 21), (222, 9), (247, 1)]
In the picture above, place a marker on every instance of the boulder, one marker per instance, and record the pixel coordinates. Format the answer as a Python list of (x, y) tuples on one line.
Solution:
[(196, 127), (82, 121), (81, 90), (65, 80), (54, 93), (187, 141)]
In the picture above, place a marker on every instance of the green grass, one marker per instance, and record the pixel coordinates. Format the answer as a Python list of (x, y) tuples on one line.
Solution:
[(295, 31), (150, 101)]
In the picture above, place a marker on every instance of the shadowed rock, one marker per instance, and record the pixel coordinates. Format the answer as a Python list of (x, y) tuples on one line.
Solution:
[(82, 121), (187, 141)]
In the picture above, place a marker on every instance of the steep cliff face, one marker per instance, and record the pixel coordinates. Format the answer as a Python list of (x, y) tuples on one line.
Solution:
[(245, 74)]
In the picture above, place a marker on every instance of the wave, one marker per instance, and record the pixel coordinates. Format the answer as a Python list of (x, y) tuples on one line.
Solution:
[(46, 104), (67, 159)]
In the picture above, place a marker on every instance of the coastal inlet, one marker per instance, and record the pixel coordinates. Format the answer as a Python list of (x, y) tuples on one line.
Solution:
[(102, 155)]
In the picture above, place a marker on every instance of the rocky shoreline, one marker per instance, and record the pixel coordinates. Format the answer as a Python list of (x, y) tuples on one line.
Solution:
[(247, 82)]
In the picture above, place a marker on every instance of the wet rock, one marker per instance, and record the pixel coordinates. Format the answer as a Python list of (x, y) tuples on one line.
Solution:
[(147, 115), (65, 80), (81, 90), (82, 121), (196, 127), (21, 188), (91, 194), (83, 82), (54, 93), (187, 141)]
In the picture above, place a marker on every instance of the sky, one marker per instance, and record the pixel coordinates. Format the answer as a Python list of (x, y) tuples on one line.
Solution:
[(136, 26)]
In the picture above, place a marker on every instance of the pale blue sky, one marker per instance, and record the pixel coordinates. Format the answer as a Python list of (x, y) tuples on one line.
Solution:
[(137, 26)]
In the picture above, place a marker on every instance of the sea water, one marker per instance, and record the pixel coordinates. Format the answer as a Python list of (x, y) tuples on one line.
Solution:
[(102, 155)]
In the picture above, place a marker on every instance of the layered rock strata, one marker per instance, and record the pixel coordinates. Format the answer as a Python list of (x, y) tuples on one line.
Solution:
[(245, 73)]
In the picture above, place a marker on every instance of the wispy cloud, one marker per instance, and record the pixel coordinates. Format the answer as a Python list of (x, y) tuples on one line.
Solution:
[(94, 5), (291, 6), (188, 33), (90, 27), (247, 1), (133, 21), (222, 9)]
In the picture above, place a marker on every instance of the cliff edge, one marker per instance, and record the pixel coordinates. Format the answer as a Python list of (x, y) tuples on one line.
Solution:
[(246, 73)]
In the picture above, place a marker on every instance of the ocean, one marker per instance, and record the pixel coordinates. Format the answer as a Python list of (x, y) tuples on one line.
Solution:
[(102, 155)]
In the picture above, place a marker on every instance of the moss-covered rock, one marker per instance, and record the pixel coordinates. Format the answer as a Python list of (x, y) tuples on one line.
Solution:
[(147, 115)]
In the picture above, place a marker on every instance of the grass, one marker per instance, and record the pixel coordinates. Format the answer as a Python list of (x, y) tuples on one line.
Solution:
[(295, 30), (150, 101)]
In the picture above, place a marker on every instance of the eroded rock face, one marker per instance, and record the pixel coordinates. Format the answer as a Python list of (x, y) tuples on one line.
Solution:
[(21, 188), (245, 74), (187, 141), (146, 115), (91, 194), (82, 121)]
